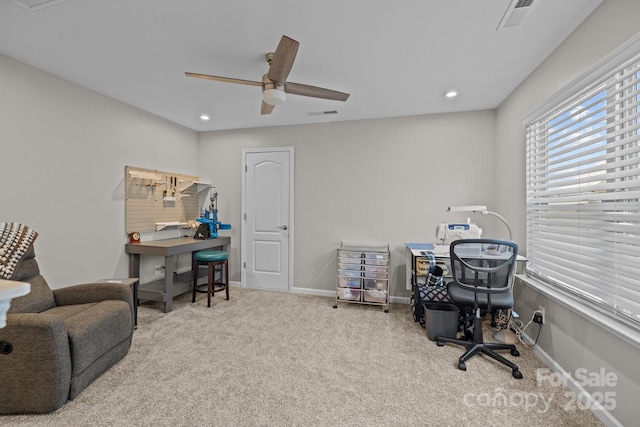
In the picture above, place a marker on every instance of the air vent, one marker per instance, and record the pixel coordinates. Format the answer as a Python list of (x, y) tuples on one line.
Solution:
[(515, 14), (322, 113), (37, 5)]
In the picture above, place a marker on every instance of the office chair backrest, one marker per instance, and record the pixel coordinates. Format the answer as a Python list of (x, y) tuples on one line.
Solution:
[(483, 265)]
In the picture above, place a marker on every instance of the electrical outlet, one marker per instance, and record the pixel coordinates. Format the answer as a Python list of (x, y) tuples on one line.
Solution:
[(538, 315), (159, 270)]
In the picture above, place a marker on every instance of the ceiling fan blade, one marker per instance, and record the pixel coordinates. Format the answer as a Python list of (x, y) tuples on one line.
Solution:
[(223, 79), (283, 59), (266, 108), (316, 92)]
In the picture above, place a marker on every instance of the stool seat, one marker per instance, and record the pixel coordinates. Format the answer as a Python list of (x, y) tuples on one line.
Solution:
[(212, 259), (209, 255)]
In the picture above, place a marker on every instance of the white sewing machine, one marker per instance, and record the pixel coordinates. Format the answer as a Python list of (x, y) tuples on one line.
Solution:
[(447, 233)]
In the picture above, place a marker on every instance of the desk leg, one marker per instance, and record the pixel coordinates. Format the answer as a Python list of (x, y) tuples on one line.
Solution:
[(168, 283), (135, 304), (134, 265), (134, 271)]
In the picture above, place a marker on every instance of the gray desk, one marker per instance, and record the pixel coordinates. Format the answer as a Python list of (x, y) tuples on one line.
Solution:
[(172, 285)]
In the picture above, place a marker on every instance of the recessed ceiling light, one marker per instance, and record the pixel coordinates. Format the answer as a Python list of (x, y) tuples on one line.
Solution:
[(204, 117), (451, 94)]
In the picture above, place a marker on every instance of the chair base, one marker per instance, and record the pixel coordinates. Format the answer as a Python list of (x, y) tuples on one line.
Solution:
[(217, 287), (211, 287), (477, 346)]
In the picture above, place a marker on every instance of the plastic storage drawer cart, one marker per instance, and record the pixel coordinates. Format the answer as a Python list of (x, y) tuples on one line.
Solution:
[(363, 275)]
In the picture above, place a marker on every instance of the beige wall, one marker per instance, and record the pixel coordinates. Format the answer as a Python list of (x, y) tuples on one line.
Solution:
[(63, 153), (568, 338), (363, 182), (64, 149)]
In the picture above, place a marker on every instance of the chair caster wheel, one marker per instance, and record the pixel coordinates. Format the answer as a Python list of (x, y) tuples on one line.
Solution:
[(386, 311), (515, 352), (462, 366), (516, 374), (440, 344), (335, 306)]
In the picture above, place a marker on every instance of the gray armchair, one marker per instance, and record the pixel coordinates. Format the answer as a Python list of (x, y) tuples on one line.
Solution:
[(62, 339)]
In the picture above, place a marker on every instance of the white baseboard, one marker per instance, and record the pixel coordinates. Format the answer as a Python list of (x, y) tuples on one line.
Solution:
[(400, 300), (330, 293), (316, 292)]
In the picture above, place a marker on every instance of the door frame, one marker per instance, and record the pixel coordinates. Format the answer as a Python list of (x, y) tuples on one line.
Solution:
[(243, 233)]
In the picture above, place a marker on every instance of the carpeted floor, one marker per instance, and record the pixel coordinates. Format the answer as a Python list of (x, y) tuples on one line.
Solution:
[(278, 359)]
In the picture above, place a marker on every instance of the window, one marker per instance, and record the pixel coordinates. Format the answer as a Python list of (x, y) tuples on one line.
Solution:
[(583, 188)]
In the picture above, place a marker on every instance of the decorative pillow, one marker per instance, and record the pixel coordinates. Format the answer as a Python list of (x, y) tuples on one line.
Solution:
[(18, 262), (15, 241)]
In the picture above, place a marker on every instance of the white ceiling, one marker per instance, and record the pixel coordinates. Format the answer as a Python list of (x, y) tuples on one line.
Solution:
[(395, 58)]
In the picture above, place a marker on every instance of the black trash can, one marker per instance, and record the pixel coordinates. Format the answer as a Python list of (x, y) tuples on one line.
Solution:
[(441, 320)]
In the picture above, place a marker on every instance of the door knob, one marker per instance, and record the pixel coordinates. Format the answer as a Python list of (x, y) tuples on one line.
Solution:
[(283, 227)]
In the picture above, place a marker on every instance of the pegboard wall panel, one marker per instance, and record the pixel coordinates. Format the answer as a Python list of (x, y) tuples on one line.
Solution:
[(155, 198)]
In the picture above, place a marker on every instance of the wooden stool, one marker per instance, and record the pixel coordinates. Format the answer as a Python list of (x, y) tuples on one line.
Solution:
[(212, 259)]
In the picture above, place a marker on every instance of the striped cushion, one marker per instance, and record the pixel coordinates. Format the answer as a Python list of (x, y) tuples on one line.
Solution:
[(15, 241)]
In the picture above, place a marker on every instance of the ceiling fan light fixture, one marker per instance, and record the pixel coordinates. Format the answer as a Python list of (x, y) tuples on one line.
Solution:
[(273, 96), (274, 83)]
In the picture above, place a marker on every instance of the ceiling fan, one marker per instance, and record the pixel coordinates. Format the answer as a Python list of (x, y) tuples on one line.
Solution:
[(275, 86)]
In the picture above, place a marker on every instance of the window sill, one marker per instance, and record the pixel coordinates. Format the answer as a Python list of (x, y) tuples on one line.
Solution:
[(618, 328)]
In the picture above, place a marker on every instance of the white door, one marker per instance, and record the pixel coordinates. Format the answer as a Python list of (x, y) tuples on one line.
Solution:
[(267, 229)]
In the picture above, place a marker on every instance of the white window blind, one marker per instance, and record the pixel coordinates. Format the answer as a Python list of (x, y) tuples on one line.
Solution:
[(583, 192)]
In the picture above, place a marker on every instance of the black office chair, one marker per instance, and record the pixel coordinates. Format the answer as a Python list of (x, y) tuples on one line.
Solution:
[(483, 272)]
